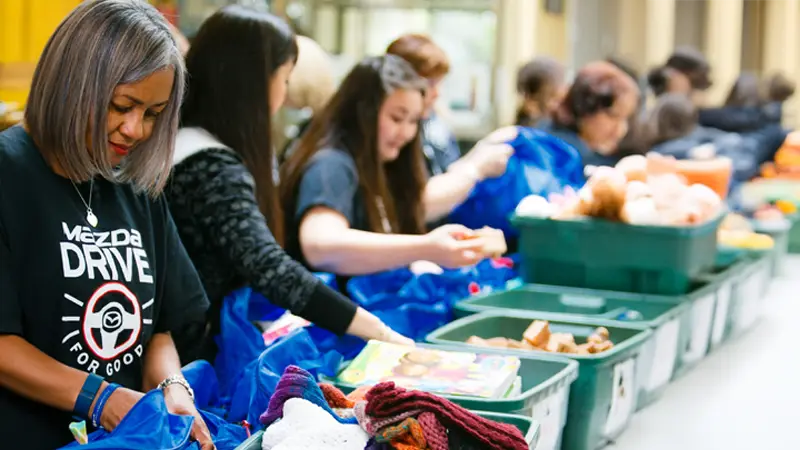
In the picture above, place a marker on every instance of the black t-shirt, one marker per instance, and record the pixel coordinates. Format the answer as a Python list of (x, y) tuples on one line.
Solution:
[(329, 180), (91, 298)]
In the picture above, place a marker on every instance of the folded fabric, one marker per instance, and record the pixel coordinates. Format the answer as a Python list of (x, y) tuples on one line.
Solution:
[(345, 413), (407, 435), (307, 426), (372, 425), (335, 397), (372, 444), (433, 430), (297, 383), (387, 400), (458, 439)]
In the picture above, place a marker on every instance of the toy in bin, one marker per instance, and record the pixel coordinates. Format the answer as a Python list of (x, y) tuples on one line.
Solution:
[(538, 337), (495, 241), (787, 160), (737, 232), (638, 190)]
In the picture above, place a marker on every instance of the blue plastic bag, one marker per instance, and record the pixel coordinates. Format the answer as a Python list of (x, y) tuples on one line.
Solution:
[(415, 305), (150, 425), (262, 309), (256, 383), (240, 342), (541, 164)]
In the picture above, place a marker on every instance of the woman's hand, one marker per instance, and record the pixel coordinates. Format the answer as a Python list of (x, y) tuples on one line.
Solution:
[(367, 326), (453, 246), (119, 403), (486, 159), (394, 337), (180, 403)]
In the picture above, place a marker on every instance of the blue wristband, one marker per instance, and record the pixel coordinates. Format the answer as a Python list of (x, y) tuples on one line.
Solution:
[(101, 403), (87, 395)]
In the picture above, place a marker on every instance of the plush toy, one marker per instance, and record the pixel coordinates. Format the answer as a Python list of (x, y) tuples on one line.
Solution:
[(535, 206), (639, 190), (634, 167), (640, 207), (604, 194)]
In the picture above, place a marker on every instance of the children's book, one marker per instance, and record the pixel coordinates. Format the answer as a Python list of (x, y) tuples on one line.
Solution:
[(436, 371)]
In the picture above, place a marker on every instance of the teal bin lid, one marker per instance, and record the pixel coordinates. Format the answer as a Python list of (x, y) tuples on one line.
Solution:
[(558, 302), (595, 224)]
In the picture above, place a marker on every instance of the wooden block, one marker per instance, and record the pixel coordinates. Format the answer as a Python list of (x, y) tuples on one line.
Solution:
[(538, 333), (475, 340), (498, 342), (562, 343), (495, 241), (602, 332)]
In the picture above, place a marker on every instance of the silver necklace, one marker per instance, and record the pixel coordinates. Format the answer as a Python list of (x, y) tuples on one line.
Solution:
[(90, 217)]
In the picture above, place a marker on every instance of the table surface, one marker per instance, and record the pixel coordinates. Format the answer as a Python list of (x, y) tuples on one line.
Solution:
[(744, 396)]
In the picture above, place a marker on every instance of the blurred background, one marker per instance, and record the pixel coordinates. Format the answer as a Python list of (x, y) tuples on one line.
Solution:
[(486, 40)]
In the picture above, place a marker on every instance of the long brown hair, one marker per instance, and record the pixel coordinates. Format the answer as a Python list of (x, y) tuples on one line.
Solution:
[(231, 61), (350, 122)]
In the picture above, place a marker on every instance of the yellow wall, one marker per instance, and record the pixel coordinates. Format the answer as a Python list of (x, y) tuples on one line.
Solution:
[(25, 27), (551, 33)]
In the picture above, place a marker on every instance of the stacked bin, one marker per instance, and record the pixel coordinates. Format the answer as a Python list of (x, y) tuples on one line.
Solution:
[(682, 325), (779, 232), (598, 254), (602, 399), (528, 427), (747, 283), (546, 386)]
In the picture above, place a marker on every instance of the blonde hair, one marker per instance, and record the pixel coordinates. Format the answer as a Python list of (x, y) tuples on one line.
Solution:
[(312, 83), (102, 44)]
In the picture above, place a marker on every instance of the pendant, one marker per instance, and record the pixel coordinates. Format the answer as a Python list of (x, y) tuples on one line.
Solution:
[(91, 218)]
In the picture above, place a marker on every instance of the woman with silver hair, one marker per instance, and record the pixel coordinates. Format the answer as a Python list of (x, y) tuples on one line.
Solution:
[(93, 276)]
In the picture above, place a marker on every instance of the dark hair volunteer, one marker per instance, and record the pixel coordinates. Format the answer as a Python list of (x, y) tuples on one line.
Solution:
[(93, 276), (593, 116), (223, 192)]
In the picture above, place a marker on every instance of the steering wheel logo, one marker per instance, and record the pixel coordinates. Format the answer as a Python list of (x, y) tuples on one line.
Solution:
[(111, 321)]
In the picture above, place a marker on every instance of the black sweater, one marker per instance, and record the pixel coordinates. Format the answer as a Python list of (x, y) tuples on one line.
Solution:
[(213, 202)]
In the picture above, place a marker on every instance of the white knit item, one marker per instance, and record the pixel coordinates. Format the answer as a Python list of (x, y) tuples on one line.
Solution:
[(306, 426)]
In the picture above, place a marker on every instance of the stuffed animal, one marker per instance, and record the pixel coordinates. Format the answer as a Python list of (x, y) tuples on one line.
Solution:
[(638, 191)]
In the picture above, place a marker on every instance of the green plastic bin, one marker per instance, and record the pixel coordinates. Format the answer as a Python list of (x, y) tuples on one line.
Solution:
[(794, 234), (725, 280), (600, 254), (669, 318), (603, 398), (528, 427), (749, 294), (779, 231), (728, 256), (546, 381), (744, 285), (754, 194)]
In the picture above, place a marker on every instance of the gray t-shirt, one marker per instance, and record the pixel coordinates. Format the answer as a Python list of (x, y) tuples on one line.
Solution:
[(330, 179)]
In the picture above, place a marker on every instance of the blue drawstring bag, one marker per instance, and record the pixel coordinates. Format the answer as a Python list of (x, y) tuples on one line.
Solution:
[(240, 342), (415, 305), (541, 164), (261, 309), (256, 384), (150, 425), (203, 379)]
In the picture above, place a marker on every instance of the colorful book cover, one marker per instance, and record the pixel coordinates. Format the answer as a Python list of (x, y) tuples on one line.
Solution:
[(435, 371)]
